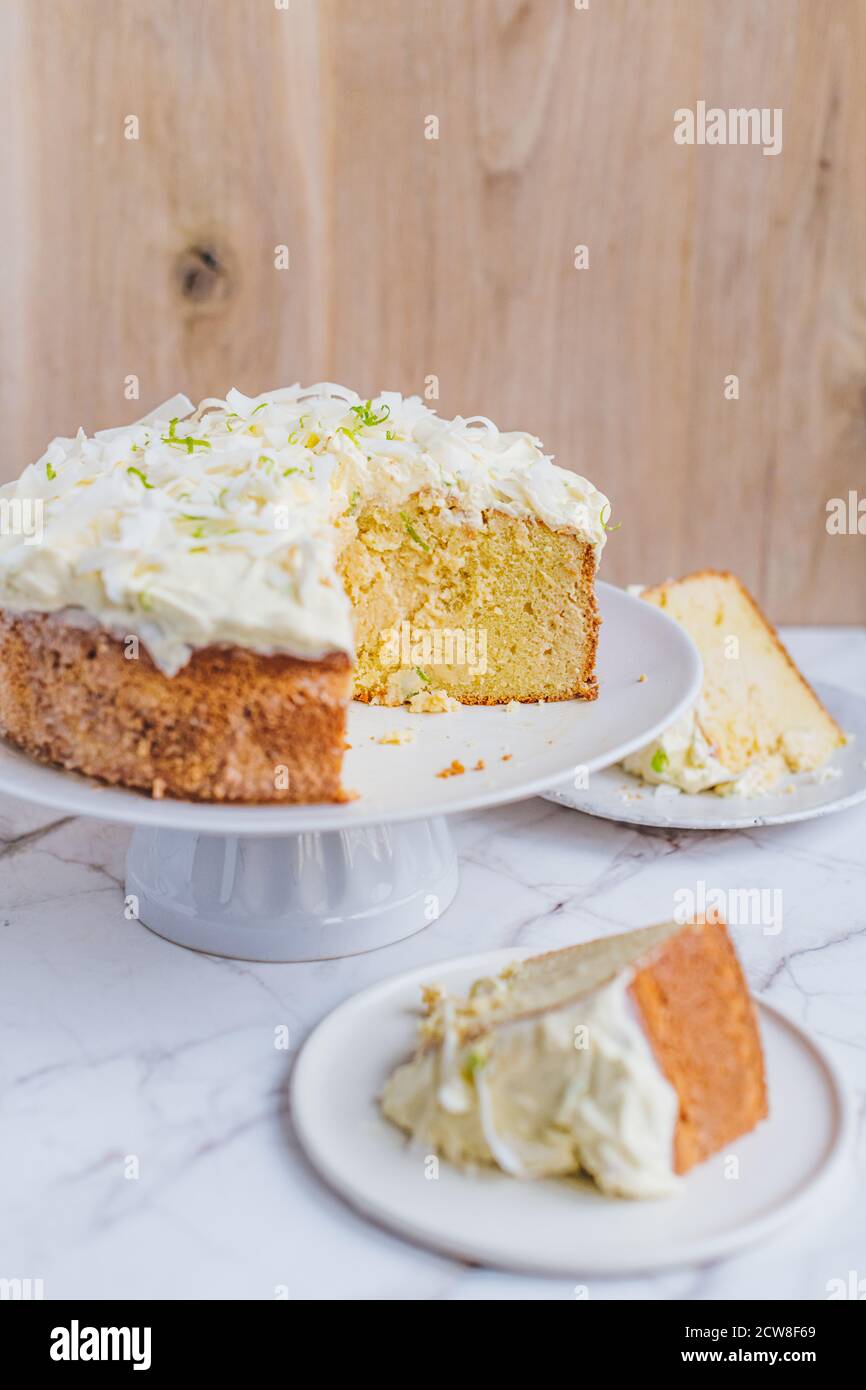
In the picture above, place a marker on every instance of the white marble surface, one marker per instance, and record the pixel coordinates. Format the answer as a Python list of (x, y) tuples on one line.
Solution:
[(114, 1043)]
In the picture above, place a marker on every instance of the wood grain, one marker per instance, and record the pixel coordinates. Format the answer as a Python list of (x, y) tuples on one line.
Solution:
[(454, 257)]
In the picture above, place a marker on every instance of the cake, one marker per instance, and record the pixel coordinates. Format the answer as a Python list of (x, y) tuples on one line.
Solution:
[(756, 718), (631, 1059), (209, 588)]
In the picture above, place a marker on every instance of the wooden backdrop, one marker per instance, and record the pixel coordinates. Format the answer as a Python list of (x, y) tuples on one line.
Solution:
[(305, 126)]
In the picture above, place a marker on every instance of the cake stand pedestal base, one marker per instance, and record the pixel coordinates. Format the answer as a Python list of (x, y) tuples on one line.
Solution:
[(313, 895)]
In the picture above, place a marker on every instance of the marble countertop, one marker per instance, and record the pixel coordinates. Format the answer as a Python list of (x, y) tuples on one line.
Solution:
[(147, 1148)]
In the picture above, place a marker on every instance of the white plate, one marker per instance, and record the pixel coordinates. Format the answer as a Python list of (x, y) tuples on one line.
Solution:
[(400, 783), (616, 795), (555, 1227)]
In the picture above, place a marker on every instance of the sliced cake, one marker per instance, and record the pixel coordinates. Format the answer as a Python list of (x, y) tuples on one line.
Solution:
[(631, 1058), (756, 719), (205, 585)]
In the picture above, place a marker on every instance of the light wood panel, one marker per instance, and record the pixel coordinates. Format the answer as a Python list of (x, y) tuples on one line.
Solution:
[(454, 257)]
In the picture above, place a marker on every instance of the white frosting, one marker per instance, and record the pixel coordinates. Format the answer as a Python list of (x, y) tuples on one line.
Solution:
[(683, 758), (680, 757), (528, 1098), (223, 527)]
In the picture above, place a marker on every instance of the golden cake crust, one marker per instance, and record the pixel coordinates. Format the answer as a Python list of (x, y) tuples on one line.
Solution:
[(700, 1021), (231, 725)]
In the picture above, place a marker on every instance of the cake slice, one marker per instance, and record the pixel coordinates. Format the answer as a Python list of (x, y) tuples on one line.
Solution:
[(631, 1058), (756, 717), (502, 609)]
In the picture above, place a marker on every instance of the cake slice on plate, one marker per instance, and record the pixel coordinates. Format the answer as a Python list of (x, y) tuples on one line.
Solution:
[(756, 719), (631, 1058)]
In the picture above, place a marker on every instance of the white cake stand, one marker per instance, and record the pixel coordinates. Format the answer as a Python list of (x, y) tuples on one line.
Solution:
[(291, 883)]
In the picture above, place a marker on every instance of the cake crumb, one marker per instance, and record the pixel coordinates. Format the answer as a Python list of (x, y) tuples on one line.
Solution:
[(641, 677), (398, 736), (431, 995), (455, 770), (822, 775), (157, 791), (479, 766), (628, 795), (432, 702), (506, 757)]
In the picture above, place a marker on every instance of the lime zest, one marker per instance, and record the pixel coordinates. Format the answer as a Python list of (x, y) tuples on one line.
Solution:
[(257, 408), (368, 416), (422, 674), (138, 474), (410, 531), (659, 760), (474, 1062), (182, 441), (604, 524), (353, 503), (50, 471)]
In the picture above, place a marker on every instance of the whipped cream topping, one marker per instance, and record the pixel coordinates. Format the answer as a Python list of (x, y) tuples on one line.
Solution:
[(680, 757), (576, 1086), (221, 526), (683, 759)]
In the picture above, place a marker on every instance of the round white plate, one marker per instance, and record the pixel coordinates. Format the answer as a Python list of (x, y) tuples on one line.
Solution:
[(524, 749), (616, 795), (555, 1227)]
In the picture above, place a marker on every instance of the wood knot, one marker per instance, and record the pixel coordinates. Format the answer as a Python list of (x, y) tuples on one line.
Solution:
[(202, 275)]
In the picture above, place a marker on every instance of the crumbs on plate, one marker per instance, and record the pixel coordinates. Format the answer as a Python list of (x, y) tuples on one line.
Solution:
[(432, 702), (398, 736), (456, 769)]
